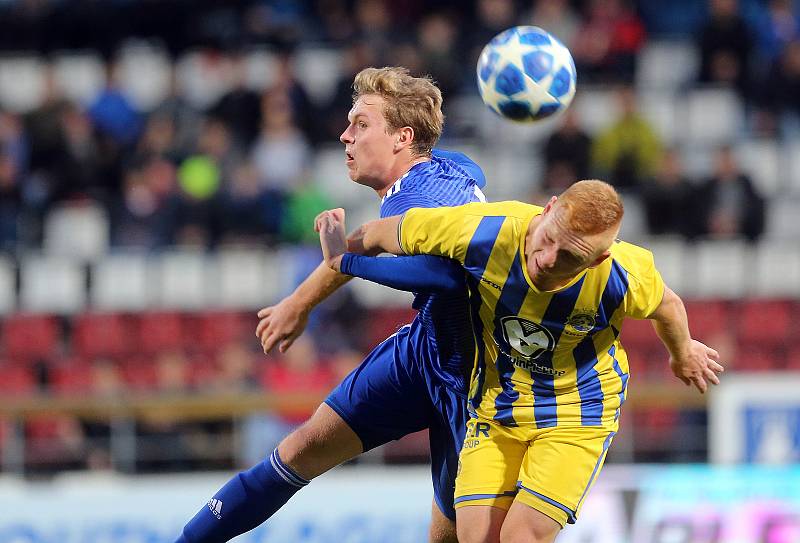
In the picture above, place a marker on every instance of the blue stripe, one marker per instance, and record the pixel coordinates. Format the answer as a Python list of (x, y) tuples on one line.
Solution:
[(471, 497), (588, 380), (510, 303), (606, 444), (544, 397), (570, 513), (475, 261), (623, 377)]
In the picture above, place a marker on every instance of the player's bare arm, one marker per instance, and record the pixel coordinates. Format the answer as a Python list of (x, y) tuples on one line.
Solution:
[(691, 361), (372, 238)]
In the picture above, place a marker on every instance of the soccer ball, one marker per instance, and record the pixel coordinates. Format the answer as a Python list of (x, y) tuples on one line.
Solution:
[(525, 74)]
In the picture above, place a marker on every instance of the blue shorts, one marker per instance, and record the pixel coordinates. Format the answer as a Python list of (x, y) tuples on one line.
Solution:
[(393, 393)]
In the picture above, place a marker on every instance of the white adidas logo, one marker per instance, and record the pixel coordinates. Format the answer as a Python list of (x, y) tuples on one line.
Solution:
[(215, 506)]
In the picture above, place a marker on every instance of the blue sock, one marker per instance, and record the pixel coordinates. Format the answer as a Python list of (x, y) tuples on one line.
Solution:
[(245, 501)]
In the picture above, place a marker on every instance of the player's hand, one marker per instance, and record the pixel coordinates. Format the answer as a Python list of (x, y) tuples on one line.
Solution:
[(698, 366), (332, 238), (281, 324)]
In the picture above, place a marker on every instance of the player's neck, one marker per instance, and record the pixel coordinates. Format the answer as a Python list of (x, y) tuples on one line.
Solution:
[(401, 168)]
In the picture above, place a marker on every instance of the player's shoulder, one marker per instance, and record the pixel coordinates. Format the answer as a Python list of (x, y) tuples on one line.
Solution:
[(633, 258), (510, 209)]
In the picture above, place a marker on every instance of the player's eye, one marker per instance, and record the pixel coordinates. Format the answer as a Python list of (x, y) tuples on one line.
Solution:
[(362, 125)]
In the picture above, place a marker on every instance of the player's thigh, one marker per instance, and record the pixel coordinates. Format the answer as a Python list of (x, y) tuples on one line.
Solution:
[(560, 467), (446, 435), (479, 523), (524, 524), (386, 396), (321, 443), (489, 465), (442, 529)]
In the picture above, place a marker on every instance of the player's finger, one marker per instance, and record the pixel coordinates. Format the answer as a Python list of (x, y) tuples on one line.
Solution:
[(269, 343), (685, 380), (711, 376), (712, 353), (285, 344), (716, 366), (264, 312), (700, 383), (263, 324)]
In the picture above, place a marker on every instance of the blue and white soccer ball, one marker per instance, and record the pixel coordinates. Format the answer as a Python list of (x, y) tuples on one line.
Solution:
[(525, 74)]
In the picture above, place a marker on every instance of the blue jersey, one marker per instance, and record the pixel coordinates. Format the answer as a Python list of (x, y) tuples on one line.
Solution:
[(444, 341)]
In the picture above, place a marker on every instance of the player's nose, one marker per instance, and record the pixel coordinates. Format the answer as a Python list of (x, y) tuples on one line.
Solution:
[(345, 136)]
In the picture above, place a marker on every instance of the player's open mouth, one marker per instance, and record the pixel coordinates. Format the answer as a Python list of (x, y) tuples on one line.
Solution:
[(348, 158)]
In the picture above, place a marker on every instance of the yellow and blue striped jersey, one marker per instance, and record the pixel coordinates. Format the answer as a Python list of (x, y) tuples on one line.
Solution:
[(542, 358)]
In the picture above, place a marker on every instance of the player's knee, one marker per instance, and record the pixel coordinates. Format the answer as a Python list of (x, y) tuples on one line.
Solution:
[(478, 531), (513, 532)]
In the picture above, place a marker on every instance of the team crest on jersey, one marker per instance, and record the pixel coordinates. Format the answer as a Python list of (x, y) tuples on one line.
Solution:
[(580, 322), (527, 339)]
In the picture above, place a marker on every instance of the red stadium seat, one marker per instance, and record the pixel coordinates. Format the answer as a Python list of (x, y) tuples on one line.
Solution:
[(28, 337), (214, 329), (17, 380), (793, 360), (139, 373), (760, 322), (160, 331), (707, 318), (759, 358), (99, 335), (638, 333), (71, 377), (384, 322)]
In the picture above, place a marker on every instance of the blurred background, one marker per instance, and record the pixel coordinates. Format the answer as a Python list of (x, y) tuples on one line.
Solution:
[(161, 162)]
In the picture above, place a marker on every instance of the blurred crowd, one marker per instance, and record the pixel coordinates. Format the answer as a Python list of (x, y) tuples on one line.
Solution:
[(239, 169)]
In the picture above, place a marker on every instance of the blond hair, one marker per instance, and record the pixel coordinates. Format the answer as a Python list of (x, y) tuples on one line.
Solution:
[(591, 207), (410, 101)]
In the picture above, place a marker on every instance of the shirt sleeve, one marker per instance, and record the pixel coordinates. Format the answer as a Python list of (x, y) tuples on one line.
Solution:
[(437, 231), (645, 289), (422, 273)]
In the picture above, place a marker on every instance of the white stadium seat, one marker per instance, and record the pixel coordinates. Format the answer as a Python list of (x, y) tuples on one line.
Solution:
[(719, 269), (238, 278), (7, 286), (596, 108), (50, 284), (712, 116), (22, 83), (659, 107), (145, 75), (666, 64), (318, 70), (761, 160), (121, 282), (77, 230), (671, 260), (80, 76), (180, 280), (776, 265)]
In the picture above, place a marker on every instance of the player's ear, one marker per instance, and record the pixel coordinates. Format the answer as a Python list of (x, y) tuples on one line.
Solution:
[(404, 138), (599, 260), (549, 206)]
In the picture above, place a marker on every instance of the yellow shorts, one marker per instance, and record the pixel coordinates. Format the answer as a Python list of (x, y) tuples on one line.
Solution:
[(549, 469)]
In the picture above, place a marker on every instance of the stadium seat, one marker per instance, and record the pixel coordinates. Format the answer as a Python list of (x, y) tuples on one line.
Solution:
[(145, 75), (203, 78), (793, 360), (707, 318), (666, 64), (160, 331), (638, 333), (22, 83), (8, 298), (98, 335), (776, 268), (28, 337), (597, 109), (17, 381), (719, 270), (213, 330), (77, 231), (761, 160), (71, 377), (659, 107), (713, 116), (782, 224), (52, 284), (182, 281), (115, 270), (139, 373), (764, 323), (318, 69), (758, 358), (669, 254), (241, 279), (80, 76)]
